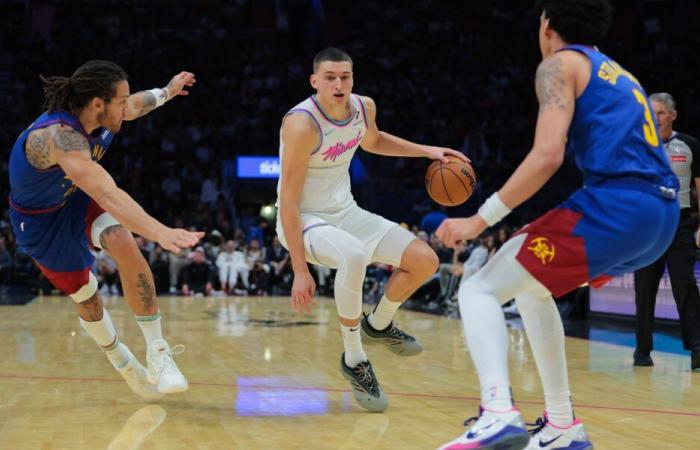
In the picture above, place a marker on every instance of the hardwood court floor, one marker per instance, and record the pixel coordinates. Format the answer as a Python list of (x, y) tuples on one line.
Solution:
[(261, 377)]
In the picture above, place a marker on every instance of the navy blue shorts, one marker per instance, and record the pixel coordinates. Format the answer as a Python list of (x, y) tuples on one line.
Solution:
[(596, 234), (58, 239)]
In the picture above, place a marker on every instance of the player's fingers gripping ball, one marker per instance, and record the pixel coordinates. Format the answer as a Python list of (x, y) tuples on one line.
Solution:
[(451, 183)]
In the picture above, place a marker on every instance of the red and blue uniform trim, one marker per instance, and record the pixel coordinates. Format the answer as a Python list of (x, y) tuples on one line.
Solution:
[(598, 233)]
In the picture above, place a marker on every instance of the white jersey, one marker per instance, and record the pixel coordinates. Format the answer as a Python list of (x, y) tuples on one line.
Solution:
[(327, 185)]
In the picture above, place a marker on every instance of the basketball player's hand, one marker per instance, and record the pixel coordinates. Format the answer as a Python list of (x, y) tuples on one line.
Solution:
[(454, 231), (176, 239), (177, 85), (303, 290), (442, 154)]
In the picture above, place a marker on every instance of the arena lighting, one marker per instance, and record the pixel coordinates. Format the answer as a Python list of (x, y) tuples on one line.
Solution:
[(268, 212)]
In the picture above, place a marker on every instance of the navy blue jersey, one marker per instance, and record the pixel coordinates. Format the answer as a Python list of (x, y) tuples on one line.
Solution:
[(613, 134), (37, 190)]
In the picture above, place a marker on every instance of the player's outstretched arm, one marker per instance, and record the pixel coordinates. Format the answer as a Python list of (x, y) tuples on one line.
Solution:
[(70, 150), (555, 83), (300, 137), (386, 144), (143, 102)]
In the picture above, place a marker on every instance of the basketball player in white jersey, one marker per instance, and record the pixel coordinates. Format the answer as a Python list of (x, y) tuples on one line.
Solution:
[(320, 222)]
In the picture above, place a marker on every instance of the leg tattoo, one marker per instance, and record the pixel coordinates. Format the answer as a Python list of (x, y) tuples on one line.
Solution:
[(146, 291), (106, 232), (91, 310)]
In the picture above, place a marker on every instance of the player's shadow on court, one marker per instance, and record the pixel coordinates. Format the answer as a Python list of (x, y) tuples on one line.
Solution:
[(141, 424), (367, 432)]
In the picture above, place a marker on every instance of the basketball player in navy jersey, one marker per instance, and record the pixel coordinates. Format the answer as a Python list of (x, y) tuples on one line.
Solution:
[(320, 222), (593, 106), (63, 204)]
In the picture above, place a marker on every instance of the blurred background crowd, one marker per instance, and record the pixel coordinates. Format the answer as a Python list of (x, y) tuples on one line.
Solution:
[(445, 73)]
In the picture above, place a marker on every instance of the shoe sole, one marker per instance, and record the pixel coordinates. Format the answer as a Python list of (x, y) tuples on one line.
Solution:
[(519, 442), (510, 443), (173, 389), (146, 396), (643, 365), (398, 349)]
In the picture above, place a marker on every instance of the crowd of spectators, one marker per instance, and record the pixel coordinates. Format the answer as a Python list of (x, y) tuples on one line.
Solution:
[(440, 72)]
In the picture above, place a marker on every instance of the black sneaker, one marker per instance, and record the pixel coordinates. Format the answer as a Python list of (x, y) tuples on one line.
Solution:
[(392, 337), (365, 387), (642, 359), (695, 358)]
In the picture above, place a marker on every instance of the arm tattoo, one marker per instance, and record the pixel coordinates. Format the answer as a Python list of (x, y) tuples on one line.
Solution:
[(549, 84), (148, 103), (70, 140), (106, 232), (147, 292), (36, 149)]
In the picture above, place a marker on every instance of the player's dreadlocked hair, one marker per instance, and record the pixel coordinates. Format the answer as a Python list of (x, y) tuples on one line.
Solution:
[(92, 79), (578, 21), (331, 54)]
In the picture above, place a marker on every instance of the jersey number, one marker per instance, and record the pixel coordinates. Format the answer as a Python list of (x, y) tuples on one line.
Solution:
[(649, 129)]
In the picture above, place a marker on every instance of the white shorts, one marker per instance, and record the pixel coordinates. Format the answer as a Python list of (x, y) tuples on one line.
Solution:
[(363, 225)]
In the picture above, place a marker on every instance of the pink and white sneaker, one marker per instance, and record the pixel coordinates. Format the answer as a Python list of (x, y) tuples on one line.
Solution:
[(546, 435), (492, 430)]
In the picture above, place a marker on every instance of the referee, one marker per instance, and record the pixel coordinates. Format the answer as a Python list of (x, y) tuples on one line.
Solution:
[(683, 152)]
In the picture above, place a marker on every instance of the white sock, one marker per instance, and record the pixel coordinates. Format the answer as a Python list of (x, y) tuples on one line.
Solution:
[(487, 339), (150, 327), (104, 334), (546, 335), (118, 355), (383, 314), (352, 341)]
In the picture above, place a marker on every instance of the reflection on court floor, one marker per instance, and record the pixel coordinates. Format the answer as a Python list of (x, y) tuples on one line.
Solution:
[(262, 377)]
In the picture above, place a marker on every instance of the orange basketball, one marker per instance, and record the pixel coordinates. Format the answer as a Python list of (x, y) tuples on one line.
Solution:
[(452, 183)]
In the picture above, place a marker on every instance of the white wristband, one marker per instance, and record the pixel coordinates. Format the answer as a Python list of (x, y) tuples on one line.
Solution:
[(493, 210), (161, 95)]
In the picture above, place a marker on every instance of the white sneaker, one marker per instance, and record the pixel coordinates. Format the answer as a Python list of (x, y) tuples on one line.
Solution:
[(135, 376), (162, 370), (547, 436), (493, 431)]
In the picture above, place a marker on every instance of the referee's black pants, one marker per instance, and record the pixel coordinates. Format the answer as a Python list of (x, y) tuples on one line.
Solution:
[(680, 259)]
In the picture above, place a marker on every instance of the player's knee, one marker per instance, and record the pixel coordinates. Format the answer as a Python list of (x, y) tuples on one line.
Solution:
[(356, 257), (421, 260), (470, 289), (87, 293), (431, 262), (121, 244)]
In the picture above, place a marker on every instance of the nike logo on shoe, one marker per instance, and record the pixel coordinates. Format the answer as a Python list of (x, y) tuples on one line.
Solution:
[(546, 443), (473, 434)]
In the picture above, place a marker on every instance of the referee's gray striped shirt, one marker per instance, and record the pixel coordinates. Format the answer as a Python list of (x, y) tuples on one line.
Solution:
[(683, 152)]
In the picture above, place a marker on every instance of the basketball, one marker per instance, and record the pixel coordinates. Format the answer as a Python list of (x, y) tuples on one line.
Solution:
[(452, 183)]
